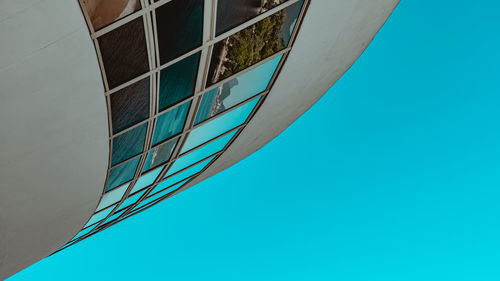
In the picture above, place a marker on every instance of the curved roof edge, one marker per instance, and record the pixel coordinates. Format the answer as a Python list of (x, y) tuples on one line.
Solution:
[(54, 131), (333, 35)]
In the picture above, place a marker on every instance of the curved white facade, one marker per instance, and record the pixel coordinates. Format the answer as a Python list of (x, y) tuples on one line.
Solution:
[(54, 140)]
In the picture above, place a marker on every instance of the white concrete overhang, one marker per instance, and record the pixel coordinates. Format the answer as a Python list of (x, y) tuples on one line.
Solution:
[(54, 128)]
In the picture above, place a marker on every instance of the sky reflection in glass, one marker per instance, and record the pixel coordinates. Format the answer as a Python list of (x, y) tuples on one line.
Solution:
[(219, 125), (237, 90), (200, 153), (112, 197), (146, 180)]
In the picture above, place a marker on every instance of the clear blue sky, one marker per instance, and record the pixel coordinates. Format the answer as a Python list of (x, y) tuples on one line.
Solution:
[(394, 175)]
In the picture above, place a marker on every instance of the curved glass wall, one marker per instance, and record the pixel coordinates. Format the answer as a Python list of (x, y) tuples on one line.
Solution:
[(182, 80)]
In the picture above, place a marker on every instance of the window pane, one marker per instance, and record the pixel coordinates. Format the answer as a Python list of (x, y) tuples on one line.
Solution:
[(237, 90), (114, 216), (129, 144), (131, 200), (104, 12), (146, 180), (171, 123), (160, 154), (82, 233), (122, 174), (98, 217), (219, 125), (178, 80), (130, 105), (124, 53), (231, 13), (161, 191), (112, 197), (186, 173), (200, 153), (253, 44), (180, 27)]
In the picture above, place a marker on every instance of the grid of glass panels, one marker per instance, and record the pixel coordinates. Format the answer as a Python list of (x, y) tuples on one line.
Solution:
[(182, 79)]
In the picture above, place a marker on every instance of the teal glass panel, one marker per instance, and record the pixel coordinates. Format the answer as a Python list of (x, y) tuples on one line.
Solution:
[(114, 216), (129, 144), (159, 192), (131, 200), (112, 197), (83, 233), (170, 123), (122, 174), (185, 174), (177, 81), (160, 154), (200, 153), (146, 180), (237, 90), (219, 125), (98, 217)]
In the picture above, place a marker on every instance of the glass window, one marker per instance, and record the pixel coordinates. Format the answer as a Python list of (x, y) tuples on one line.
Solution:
[(200, 153), (237, 90), (130, 105), (160, 191), (114, 216), (112, 197), (177, 81), (185, 174), (231, 13), (129, 144), (146, 180), (104, 12), (160, 154), (252, 44), (98, 217), (219, 125), (83, 233), (122, 174), (179, 27), (131, 200), (170, 123), (124, 53)]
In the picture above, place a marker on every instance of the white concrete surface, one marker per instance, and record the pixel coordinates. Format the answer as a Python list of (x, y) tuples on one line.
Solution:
[(53, 129)]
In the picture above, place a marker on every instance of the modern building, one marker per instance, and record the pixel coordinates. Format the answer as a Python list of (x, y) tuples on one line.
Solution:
[(110, 107)]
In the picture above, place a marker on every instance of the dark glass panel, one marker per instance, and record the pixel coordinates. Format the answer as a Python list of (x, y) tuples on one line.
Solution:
[(130, 105), (180, 27), (170, 123), (236, 90), (231, 13), (104, 12), (160, 154), (253, 44), (177, 81), (121, 174), (128, 144), (124, 53)]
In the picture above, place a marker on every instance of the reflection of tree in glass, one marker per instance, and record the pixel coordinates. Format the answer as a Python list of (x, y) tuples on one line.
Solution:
[(248, 47)]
